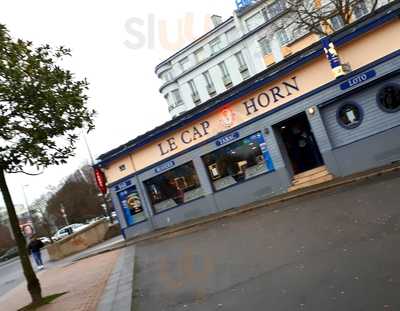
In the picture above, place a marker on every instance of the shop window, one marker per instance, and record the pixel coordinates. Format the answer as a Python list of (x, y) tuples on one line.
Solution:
[(350, 115), (173, 188), (238, 162), (389, 98), (131, 206)]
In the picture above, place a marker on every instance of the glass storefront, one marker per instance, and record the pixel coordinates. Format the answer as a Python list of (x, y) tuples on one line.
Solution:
[(238, 161), (174, 187), (131, 206)]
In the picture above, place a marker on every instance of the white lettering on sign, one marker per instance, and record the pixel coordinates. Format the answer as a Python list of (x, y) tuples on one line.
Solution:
[(358, 80)]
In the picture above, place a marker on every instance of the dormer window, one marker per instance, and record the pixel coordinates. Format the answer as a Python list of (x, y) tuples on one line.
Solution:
[(184, 63), (265, 46), (167, 76), (215, 46), (254, 21), (282, 37), (200, 55)]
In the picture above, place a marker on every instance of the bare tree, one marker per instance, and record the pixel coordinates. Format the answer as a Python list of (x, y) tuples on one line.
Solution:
[(43, 221), (78, 194), (323, 17)]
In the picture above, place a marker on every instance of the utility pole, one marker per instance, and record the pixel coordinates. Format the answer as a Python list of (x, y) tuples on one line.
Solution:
[(103, 196)]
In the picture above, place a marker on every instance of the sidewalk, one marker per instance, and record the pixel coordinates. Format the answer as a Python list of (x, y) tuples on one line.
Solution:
[(84, 281)]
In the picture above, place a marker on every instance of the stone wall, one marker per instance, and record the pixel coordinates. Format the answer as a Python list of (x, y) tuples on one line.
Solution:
[(79, 241)]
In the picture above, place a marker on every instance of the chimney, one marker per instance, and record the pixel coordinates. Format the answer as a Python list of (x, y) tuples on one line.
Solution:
[(216, 20)]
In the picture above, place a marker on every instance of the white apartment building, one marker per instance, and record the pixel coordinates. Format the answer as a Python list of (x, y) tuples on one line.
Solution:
[(252, 40)]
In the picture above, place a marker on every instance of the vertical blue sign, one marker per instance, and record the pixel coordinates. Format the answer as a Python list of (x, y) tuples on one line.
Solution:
[(265, 152), (131, 205), (333, 57)]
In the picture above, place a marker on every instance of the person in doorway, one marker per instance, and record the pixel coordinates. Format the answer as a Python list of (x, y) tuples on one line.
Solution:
[(35, 246)]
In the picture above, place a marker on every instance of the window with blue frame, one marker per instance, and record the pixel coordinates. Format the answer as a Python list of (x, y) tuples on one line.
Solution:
[(238, 161), (389, 97), (175, 187), (349, 115), (131, 206)]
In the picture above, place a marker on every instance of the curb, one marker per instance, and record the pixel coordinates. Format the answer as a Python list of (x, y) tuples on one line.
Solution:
[(115, 247), (118, 294), (5, 263), (336, 183)]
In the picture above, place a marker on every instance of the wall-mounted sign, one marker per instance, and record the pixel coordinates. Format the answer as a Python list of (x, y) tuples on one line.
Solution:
[(267, 157), (358, 79), (186, 137), (227, 118), (164, 167), (123, 185), (100, 180), (131, 206), (227, 139), (333, 57), (266, 99)]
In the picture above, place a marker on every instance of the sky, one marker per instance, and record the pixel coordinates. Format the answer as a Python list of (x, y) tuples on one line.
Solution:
[(116, 46)]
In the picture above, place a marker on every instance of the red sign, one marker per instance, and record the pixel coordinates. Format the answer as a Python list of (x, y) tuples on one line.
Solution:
[(100, 180)]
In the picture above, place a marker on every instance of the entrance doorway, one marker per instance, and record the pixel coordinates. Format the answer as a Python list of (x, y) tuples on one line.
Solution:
[(299, 141)]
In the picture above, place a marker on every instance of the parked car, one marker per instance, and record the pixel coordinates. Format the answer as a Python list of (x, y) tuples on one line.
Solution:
[(68, 230), (11, 253), (114, 216), (45, 240)]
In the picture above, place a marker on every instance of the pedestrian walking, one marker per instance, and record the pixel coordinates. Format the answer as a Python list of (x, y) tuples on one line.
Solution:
[(34, 247)]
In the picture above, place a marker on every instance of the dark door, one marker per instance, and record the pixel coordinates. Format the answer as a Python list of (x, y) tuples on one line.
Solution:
[(300, 143)]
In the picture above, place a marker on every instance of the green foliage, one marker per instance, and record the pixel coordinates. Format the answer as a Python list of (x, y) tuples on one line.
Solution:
[(41, 105)]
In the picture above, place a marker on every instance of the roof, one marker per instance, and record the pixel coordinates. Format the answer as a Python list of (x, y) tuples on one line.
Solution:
[(284, 67)]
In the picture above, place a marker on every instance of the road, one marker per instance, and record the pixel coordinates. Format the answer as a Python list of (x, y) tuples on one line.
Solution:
[(336, 250), (11, 274)]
